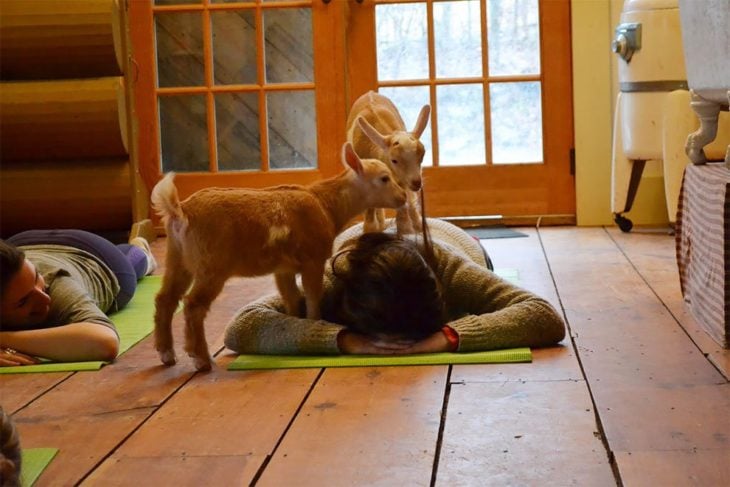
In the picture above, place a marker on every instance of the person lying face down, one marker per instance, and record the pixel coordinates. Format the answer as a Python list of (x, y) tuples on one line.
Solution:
[(56, 287), (385, 295)]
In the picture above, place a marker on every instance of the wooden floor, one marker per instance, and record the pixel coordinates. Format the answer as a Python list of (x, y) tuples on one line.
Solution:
[(637, 395)]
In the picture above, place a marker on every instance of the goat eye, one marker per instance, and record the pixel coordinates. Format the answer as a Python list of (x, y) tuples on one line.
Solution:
[(394, 161), (385, 179)]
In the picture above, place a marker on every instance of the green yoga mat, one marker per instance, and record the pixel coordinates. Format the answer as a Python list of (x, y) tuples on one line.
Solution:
[(133, 323), (34, 461), (257, 362)]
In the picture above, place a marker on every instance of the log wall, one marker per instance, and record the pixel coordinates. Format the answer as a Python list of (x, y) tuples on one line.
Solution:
[(63, 117)]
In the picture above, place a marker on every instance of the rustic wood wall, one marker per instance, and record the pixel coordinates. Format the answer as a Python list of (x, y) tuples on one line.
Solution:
[(64, 153)]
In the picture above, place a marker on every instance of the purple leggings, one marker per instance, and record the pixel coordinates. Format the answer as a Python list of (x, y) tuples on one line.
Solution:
[(127, 262)]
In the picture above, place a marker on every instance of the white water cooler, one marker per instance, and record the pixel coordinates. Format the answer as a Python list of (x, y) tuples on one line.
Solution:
[(653, 114)]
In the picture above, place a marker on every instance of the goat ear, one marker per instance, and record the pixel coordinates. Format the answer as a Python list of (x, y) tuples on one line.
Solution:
[(422, 121), (351, 159), (376, 137)]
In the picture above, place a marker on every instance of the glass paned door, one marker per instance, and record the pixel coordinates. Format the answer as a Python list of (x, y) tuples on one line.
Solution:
[(230, 93), (500, 134)]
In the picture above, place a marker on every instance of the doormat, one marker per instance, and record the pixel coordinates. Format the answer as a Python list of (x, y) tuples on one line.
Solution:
[(498, 231)]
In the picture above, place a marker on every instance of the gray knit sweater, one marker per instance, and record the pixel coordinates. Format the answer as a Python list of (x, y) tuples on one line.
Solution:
[(486, 311)]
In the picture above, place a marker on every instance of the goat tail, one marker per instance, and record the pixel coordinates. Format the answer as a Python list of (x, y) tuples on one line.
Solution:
[(166, 203)]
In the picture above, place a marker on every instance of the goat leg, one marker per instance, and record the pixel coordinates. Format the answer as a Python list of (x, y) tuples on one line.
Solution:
[(403, 223), (174, 285), (286, 283), (197, 304), (413, 211), (312, 276), (374, 220)]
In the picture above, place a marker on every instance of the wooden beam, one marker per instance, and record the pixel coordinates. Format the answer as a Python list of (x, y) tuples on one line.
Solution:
[(51, 39), (59, 120)]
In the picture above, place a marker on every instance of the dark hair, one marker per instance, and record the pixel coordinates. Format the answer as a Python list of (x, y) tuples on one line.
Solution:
[(11, 261), (10, 458), (388, 287)]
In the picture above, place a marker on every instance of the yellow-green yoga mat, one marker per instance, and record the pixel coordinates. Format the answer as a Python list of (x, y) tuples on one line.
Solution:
[(256, 362), (34, 461), (133, 323)]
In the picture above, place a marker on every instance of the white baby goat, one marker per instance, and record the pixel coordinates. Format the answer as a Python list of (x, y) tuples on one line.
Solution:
[(376, 130), (218, 233)]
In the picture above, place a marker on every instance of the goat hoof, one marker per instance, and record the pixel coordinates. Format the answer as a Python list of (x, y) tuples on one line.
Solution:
[(203, 364), (168, 357)]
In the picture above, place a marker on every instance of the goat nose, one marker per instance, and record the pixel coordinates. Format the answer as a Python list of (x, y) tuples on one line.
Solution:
[(415, 185)]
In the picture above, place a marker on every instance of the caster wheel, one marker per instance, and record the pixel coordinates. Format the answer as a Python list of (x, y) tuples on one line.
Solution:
[(623, 223)]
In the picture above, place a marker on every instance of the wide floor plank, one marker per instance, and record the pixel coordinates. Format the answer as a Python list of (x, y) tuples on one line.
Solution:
[(182, 470), (654, 390), (17, 390), (364, 426), (501, 418), (220, 421), (701, 468), (525, 254), (553, 363), (522, 433), (83, 440), (623, 331), (653, 253)]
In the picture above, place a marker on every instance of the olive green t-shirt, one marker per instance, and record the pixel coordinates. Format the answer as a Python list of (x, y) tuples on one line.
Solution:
[(82, 288)]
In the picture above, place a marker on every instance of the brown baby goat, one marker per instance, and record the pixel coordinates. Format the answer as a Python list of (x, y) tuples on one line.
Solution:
[(287, 230), (377, 131)]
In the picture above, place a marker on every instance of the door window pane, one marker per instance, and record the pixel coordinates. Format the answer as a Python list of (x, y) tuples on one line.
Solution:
[(458, 39), (513, 37), (409, 101), (183, 133), (237, 130), (460, 124), (402, 41), (516, 122), (179, 38), (292, 129), (234, 47), (288, 40)]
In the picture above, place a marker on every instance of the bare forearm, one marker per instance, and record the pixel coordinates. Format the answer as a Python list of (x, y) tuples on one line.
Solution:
[(68, 343)]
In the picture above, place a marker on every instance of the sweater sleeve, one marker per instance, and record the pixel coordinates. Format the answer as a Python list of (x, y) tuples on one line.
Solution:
[(489, 312), (264, 327)]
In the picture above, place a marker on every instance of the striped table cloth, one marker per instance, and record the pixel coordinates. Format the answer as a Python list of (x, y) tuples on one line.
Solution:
[(703, 246)]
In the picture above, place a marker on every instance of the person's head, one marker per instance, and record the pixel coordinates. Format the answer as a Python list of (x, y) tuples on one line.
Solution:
[(387, 288), (10, 455), (23, 299)]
